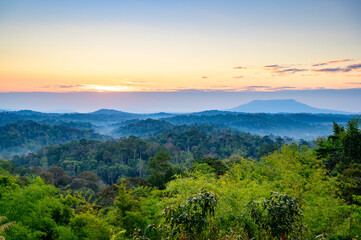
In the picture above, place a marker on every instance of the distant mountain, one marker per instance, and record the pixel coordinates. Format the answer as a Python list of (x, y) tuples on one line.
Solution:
[(280, 106), (110, 112)]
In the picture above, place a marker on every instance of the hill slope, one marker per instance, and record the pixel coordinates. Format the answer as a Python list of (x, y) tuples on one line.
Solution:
[(25, 136)]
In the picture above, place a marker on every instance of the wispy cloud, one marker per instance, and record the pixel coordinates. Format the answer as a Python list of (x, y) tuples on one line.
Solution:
[(292, 70), (282, 70), (62, 86), (239, 68), (237, 77), (204, 77), (319, 64), (267, 88), (331, 62), (281, 88), (332, 70), (349, 68), (273, 66), (354, 66)]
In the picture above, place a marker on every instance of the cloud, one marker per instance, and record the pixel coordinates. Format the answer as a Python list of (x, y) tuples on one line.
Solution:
[(62, 86), (280, 69), (319, 64), (340, 61), (67, 86), (281, 88), (332, 70), (204, 77), (292, 70), (284, 69), (273, 66), (267, 88), (354, 66), (331, 62), (349, 68), (238, 77)]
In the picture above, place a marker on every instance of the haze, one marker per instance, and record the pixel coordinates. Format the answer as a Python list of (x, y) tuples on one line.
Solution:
[(182, 101)]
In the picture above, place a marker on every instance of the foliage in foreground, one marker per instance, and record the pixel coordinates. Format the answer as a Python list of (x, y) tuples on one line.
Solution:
[(289, 194), (202, 205)]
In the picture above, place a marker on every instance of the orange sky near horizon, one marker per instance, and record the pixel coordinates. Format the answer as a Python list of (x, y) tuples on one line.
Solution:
[(32, 78)]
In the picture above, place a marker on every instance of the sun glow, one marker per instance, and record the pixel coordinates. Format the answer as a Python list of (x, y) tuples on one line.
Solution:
[(102, 88)]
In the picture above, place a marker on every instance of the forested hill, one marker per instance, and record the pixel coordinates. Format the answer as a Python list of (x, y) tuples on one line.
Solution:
[(25, 136), (100, 116), (298, 125), (128, 157)]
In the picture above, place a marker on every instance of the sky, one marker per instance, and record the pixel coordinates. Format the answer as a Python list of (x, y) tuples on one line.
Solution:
[(66, 46)]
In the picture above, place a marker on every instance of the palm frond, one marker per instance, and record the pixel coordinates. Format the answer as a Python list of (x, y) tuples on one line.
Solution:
[(6, 226)]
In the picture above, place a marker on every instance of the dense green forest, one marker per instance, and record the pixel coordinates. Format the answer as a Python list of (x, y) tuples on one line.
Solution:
[(127, 157), (290, 192), (24, 136)]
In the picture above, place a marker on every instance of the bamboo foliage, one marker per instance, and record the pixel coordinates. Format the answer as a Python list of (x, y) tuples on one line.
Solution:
[(4, 227)]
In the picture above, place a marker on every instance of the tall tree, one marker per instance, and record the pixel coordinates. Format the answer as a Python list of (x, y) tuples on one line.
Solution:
[(161, 169)]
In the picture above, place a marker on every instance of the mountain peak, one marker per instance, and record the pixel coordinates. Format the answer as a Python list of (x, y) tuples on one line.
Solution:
[(280, 106)]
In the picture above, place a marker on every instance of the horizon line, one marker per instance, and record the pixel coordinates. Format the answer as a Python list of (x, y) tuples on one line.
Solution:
[(191, 90)]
